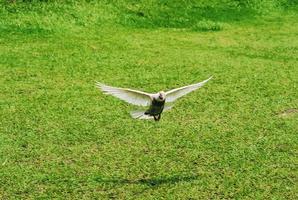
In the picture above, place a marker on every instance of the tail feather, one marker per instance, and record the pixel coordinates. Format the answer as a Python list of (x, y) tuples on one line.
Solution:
[(137, 113), (140, 114)]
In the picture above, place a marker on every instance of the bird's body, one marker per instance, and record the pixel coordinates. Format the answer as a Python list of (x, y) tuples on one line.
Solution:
[(155, 109), (156, 102)]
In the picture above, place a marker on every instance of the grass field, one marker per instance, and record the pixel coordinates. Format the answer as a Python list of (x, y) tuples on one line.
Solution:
[(235, 138)]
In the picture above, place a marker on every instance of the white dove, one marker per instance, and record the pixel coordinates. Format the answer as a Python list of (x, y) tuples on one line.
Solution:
[(156, 102)]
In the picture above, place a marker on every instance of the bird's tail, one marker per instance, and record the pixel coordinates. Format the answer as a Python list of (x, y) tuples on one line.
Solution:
[(140, 114)]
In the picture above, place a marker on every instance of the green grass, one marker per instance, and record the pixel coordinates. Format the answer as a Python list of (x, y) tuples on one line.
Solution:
[(62, 138)]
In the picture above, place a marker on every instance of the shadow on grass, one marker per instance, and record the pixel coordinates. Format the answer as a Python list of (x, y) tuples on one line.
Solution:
[(150, 181), (172, 17)]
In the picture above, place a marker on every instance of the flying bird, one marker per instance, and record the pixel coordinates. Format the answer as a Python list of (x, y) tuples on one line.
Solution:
[(156, 102)]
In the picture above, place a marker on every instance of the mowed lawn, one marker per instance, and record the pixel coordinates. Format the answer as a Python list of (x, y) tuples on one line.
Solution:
[(60, 137)]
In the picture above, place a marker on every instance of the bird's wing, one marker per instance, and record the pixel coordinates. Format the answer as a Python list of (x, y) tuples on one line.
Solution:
[(174, 94), (131, 96)]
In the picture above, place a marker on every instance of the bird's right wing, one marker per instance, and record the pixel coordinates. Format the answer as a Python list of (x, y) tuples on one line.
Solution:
[(174, 94), (131, 96)]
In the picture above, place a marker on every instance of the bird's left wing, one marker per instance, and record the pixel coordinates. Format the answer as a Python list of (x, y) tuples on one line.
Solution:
[(174, 94), (135, 97)]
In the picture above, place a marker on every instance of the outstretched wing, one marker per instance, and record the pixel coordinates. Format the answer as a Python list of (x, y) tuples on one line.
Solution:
[(131, 96), (174, 94)]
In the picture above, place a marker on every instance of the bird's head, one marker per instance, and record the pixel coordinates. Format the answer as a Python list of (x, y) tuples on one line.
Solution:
[(161, 95)]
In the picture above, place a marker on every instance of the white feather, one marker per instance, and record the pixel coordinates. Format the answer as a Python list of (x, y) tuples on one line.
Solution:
[(135, 97), (174, 94), (140, 114), (137, 113)]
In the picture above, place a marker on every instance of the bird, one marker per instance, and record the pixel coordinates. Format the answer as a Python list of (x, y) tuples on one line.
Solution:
[(156, 103)]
